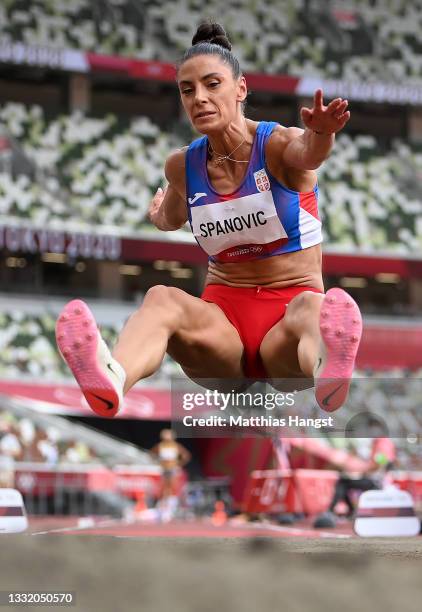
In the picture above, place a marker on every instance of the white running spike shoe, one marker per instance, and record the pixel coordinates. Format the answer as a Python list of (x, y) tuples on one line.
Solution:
[(100, 377)]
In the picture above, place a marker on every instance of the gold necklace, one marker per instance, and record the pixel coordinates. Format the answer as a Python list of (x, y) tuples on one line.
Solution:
[(221, 158)]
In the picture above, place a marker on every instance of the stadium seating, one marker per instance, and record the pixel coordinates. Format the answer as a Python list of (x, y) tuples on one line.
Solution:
[(28, 348), (370, 197), (25, 439), (87, 171), (354, 40), (28, 436)]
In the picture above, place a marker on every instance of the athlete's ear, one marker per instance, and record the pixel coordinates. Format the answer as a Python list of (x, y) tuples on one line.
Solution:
[(242, 89)]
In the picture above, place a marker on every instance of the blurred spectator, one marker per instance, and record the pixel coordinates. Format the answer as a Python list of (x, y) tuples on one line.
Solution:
[(172, 457), (7, 472), (77, 452), (47, 448), (366, 428), (10, 444), (27, 431)]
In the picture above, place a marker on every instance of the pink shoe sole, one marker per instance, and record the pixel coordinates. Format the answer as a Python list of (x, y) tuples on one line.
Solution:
[(341, 331), (77, 338)]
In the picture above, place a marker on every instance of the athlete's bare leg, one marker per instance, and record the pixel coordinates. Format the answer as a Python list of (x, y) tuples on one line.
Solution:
[(290, 347), (317, 340), (195, 333)]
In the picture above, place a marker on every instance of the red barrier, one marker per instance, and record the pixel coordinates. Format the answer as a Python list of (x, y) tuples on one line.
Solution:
[(270, 492), (410, 482), (276, 491), (308, 491), (43, 480), (235, 458), (315, 489), (131, 480), (39, 479)]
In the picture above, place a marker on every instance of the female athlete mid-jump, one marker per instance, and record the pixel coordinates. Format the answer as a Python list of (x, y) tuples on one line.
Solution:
[(249, 191)]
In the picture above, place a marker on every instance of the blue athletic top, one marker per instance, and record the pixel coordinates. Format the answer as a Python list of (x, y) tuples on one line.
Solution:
[(262, 218)]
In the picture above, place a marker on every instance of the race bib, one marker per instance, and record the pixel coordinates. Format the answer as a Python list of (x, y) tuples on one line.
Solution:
[(251, 219)]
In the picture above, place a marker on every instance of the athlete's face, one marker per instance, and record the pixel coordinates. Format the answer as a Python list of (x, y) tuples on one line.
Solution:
[(210, 95)]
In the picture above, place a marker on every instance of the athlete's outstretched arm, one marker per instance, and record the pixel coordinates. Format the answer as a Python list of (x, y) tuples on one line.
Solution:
[(307, 149), (168, 210)]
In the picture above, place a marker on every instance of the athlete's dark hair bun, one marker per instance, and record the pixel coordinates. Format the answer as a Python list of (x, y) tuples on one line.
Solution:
[(211, 32)]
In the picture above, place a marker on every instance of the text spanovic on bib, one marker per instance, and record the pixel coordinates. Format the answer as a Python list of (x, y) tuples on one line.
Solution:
[(241, 227)]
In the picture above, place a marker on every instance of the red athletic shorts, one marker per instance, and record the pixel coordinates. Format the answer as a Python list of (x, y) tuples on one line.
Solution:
[(253, 311)]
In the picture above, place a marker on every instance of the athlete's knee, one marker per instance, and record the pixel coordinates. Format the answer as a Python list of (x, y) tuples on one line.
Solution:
[(306, 301), (165, 302), (158, 294), (302, 307)]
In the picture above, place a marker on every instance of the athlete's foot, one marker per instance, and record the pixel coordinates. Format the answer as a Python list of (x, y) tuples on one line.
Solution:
[(341, 331), (100, 377)]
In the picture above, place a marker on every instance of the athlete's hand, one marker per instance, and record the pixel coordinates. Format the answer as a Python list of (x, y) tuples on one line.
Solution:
[(325, 119), (154, 207)]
